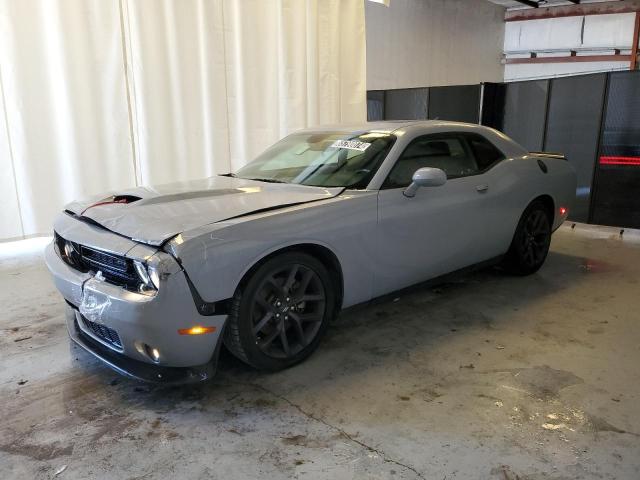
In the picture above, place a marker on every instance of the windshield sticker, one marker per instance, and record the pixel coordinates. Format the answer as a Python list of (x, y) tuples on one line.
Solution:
[(351, 145)]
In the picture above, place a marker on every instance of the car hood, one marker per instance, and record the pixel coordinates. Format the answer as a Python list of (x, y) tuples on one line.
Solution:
[(154, 214)]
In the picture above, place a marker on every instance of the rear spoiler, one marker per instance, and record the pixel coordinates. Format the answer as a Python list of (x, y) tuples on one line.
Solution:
[(558, 156)]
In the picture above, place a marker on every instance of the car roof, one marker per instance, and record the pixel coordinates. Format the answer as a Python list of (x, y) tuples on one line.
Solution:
[(386, 126), (424, 127), (389, 126)]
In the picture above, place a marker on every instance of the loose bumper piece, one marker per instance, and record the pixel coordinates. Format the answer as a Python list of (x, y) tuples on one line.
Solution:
[(131, 368)]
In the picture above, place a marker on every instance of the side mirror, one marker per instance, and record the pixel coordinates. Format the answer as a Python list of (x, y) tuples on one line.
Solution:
[(425, 177)]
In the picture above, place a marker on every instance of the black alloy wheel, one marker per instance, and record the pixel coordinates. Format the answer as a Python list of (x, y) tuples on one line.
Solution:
[(280, 314), (535, 239), (287, 310), (531, 241)]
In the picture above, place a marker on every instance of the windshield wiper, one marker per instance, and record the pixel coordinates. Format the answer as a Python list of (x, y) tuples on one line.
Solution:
[(268, 180)]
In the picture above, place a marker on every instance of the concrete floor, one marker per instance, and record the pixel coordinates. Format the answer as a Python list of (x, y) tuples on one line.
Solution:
[(484, 377)]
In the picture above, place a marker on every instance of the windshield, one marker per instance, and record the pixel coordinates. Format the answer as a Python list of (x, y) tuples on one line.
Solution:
[(327, 159)]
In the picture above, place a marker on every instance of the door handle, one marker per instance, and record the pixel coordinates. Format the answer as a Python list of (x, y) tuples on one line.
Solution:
[(482, 188)]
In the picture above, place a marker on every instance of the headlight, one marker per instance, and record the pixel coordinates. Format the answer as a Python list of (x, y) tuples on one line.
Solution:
[(154, 270), (154, 276), (68, 249), (149, 278)]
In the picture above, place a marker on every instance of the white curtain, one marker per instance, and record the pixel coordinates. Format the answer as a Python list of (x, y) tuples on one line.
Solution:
[(65, 106), (104, 94)]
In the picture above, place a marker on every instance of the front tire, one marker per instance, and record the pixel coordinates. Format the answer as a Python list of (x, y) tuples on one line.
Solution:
[(530, 244), (280, 314)]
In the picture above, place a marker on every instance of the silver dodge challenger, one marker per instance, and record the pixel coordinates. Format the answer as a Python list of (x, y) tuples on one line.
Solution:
[(157, 279)]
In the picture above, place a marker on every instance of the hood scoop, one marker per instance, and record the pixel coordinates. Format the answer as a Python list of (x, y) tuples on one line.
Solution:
[(124, 199)]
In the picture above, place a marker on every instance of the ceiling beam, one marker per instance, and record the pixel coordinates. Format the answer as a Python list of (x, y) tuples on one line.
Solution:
[(529, 3), (569, 59), (577, 10)]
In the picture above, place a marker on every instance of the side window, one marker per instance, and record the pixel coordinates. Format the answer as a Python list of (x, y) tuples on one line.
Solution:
[(485, 153), (447, 152)]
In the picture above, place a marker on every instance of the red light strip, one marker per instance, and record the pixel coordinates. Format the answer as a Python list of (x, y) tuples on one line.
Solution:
[(620, 161)]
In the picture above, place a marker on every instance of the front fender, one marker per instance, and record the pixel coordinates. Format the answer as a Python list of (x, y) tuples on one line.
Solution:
[(218, 259)]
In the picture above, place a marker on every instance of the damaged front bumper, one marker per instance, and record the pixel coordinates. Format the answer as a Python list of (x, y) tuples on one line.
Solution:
[(134, 368), (135, 334)]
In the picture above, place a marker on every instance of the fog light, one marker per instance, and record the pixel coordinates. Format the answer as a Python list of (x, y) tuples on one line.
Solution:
[(152, 353), (197, 330), (563, 210)]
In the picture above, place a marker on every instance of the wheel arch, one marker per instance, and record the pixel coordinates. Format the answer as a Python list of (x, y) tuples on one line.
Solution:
[(319, 251), (549, 204)]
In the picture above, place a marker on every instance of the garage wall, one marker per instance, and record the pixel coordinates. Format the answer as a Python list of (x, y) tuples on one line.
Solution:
[(592, 119), (586, 35), (106, 94), (615, 198), (574, 118), (530, 99), (422, 43)]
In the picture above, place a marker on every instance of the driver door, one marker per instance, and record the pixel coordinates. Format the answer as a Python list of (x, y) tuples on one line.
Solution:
[(437, 230)]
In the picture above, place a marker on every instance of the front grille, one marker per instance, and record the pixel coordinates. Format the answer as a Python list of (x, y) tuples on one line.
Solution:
[(103, 259), (115, 269), (104, 333)]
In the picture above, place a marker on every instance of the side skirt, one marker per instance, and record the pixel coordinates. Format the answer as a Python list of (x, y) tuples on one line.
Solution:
[(492, 262)]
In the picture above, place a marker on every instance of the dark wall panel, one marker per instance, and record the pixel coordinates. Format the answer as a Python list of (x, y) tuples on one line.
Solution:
[(573, 128), (493, 102), (375, 105), (617, 182), (525, 113), (457, 103), (406, 104), (561, 115)]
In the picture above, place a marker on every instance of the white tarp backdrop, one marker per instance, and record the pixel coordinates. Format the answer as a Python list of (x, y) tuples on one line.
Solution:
[(99, 95)]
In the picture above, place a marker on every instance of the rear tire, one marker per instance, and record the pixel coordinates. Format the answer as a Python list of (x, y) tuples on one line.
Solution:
[(280, 314), (530, 244)]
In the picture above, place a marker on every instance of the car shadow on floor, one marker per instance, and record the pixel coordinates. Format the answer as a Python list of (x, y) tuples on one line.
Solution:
[(384, 333)]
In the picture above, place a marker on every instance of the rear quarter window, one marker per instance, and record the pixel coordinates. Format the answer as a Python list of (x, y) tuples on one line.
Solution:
[(485, 152)]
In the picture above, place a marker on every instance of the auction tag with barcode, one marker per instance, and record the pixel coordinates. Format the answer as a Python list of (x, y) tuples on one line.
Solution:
[(351, 145)]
